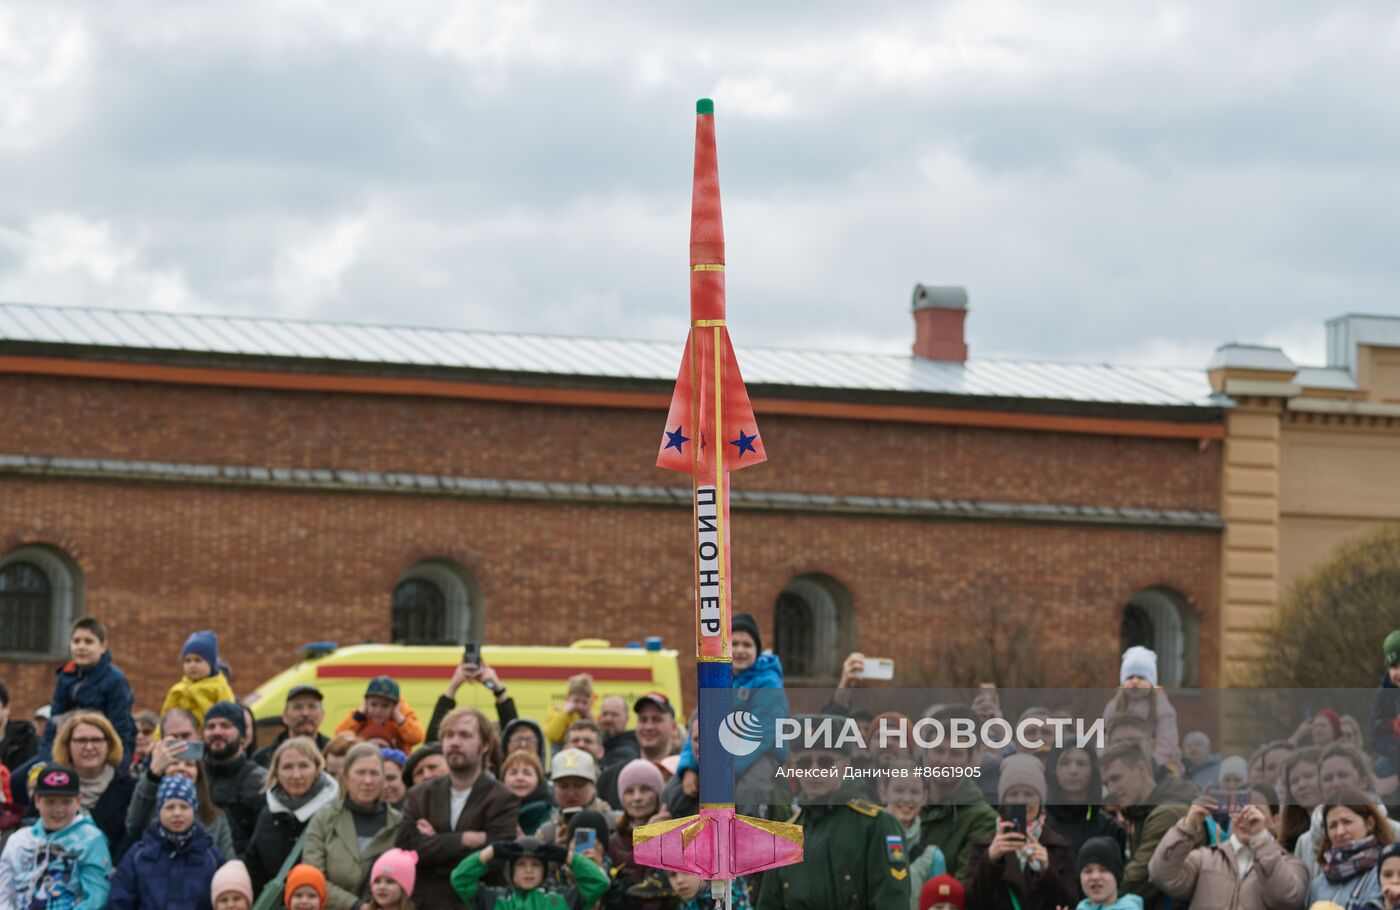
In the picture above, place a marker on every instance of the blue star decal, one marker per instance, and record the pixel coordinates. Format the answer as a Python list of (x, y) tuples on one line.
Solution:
[(745, 443), (676, 440)]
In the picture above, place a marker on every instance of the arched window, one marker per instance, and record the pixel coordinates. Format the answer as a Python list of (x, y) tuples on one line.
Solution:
[(436, 602), (40, 594), (1163, 620), (813, 628)]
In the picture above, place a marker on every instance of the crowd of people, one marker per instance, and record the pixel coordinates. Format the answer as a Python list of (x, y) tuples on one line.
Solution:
[(102, 805)]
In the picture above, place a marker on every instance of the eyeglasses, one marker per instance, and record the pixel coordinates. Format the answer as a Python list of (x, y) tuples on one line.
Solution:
[(89, 741)]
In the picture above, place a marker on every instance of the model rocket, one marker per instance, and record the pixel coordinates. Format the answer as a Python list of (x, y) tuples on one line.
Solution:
[(710, 432)]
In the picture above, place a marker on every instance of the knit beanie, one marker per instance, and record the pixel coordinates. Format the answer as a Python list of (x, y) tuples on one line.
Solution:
[(206, 644), (301, 876), (400, 865), (1197, 736), (232, 876), (1103, 851), (1022, 770), (640, 771), (1392, 648), (1138, 661), (227, 710), (744, 622), (173, 786), (941, 889), (1235, 765)]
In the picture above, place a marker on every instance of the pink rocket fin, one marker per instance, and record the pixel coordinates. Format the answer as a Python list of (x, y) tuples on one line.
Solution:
[(717, 844)]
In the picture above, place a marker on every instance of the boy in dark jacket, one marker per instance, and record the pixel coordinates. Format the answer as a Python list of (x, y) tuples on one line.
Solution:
[(1385, 711), (90, 680)]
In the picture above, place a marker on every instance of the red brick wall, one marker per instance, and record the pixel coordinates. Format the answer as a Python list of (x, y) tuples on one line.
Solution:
[(270, 570)]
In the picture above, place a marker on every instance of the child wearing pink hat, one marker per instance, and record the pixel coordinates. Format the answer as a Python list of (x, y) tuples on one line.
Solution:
[(391, 880), (232, 887)]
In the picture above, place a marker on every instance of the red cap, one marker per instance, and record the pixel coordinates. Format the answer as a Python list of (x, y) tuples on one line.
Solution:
[(942, 889)]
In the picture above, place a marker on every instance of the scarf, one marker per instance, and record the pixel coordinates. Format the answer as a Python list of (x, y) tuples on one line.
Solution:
[(369, 820), (1033, 831), (293, 803), (1344, 863), (174, 841), (90, 791)]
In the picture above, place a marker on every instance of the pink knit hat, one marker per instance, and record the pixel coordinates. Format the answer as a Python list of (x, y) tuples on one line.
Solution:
[(400, 865), (640, 771), (231, 876)]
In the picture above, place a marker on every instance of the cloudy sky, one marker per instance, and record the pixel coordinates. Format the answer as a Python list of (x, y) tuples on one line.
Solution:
[(1110, 180)]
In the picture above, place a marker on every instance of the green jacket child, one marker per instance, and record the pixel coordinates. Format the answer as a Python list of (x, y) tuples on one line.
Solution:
[(527, 863)]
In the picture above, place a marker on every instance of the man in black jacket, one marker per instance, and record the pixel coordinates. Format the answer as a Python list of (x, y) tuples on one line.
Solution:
[(302, 715), (235, 781)]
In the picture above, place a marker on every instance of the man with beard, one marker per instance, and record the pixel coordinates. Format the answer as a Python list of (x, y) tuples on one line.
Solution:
[(302, 715), (619, 743), (447, 818), (235, 781)]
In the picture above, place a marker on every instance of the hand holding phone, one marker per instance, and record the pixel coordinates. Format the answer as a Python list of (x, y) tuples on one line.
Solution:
[(877, 668), (192, 750), (585, 839), (1016, 814), (471, 654)]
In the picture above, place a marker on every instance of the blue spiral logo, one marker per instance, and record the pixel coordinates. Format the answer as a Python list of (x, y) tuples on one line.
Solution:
[(741, 733)]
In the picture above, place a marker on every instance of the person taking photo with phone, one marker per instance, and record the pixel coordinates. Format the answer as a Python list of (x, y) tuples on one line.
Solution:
[(1025, 865), (1249, 871), (171, 757)]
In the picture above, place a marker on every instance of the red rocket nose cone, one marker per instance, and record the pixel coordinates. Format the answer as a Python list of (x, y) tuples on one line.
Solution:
[(706, 225)]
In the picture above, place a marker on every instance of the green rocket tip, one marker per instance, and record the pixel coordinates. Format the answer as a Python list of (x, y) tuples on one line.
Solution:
[(704, 106)]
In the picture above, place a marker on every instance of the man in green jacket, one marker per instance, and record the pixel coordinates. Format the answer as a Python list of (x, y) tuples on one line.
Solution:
[(852, 850), (957, 811), (1151, 809), (528, 862)]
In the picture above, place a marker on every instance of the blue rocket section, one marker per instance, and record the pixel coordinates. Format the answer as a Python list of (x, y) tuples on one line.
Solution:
[(716, 701)]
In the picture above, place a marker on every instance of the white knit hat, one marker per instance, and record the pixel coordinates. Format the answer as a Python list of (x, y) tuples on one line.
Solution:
[(1139, 661)]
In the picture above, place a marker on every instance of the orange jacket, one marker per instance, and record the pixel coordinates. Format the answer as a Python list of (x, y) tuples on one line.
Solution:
[(402, 736)]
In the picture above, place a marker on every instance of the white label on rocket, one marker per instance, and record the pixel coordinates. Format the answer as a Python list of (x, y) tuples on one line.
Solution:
[(708, 561)]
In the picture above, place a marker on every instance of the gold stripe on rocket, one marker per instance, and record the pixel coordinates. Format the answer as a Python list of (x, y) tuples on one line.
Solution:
[(708, 267)]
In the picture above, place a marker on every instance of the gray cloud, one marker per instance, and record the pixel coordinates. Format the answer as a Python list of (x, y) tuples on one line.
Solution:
[(1109, 182)]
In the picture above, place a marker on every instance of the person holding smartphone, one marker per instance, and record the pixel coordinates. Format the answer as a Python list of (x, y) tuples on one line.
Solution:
[(473, 669), (1025, 865), (171, 757)]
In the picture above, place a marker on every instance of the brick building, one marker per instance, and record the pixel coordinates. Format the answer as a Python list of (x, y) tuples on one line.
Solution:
[(284, 482)]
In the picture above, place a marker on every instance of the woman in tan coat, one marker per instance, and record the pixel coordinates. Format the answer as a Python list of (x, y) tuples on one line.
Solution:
[(345, 838), (1248, 871)]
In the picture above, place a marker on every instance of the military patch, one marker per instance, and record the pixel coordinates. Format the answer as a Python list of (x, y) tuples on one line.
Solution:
[(894, 849), (899, 875), (864, 807)]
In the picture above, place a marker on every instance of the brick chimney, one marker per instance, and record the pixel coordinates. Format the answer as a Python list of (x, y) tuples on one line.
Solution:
[(939, 314)]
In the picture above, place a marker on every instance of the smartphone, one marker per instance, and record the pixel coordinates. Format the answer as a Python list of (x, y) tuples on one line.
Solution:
[(1227, 803), (585, 839), (878, 668), (1017, 816), (193, 750), (471, 654)]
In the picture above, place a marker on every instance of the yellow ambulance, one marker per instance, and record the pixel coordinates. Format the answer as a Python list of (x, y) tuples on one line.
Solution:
[(534, 676)]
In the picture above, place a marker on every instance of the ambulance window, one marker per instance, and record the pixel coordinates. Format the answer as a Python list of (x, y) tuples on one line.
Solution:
[(436, 603), (813, 628)]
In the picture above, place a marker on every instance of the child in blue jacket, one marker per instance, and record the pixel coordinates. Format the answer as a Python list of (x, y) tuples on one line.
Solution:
[(173, 865), (91, 681)]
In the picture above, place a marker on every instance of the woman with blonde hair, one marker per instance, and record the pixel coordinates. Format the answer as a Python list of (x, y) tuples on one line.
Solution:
[(296, 788), (88, 743)]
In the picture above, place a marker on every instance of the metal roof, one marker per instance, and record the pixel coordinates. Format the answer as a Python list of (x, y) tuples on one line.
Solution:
[(598, 357)]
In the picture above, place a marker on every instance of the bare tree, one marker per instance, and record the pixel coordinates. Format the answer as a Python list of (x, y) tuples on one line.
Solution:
[(1331, 623)]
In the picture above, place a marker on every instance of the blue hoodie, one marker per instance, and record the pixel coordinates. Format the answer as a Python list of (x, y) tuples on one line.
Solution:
[(59, 870), (1124, 902), (758, 690)]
